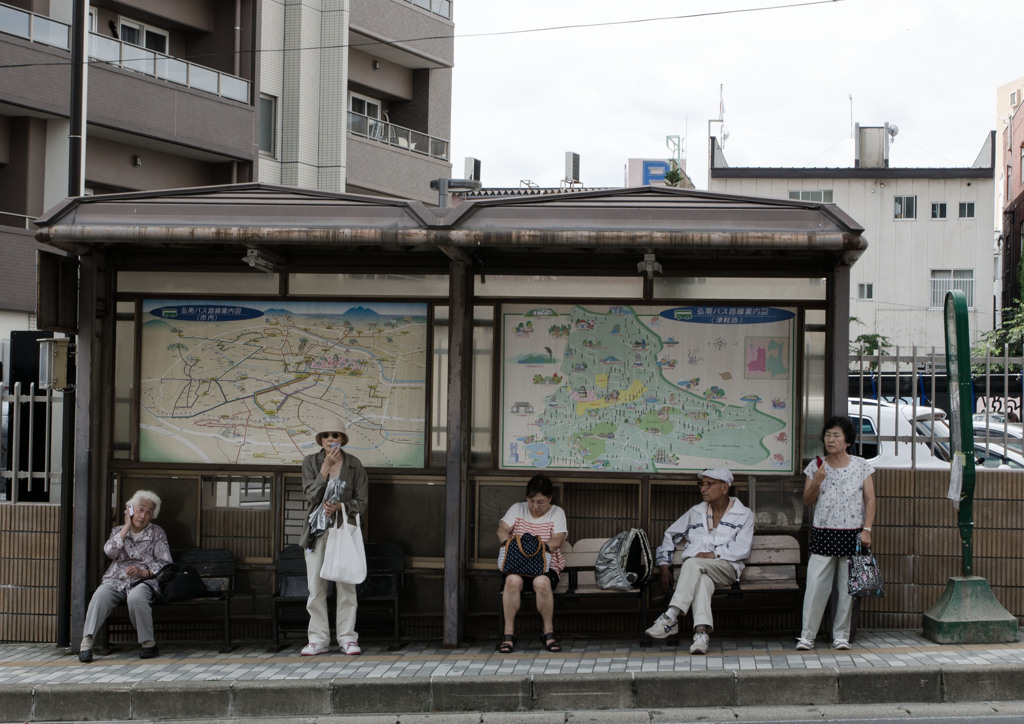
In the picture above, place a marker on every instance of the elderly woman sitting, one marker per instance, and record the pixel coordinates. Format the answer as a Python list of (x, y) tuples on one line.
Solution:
[(137, 551)]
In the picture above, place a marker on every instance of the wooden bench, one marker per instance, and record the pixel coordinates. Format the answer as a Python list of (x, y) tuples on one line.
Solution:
[(769, 581), (385, 565), (216, 567), (773, 567)]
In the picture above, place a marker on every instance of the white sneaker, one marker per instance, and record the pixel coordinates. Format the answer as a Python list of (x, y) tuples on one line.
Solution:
[(804, 644), (663, 627), (700, 643), (351, 648), (314, 649), (841, 645)]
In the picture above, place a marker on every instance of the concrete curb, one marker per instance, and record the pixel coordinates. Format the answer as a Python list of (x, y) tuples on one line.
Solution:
[(638, 691)]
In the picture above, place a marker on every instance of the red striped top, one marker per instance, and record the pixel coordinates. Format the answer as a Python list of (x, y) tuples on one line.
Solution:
[(545, 527)]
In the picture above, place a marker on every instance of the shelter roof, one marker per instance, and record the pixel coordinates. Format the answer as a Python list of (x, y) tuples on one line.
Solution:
[(506, 232)]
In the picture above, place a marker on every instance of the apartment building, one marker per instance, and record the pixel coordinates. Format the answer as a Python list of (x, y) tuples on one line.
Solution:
[(1011, 187), (929, 230), (170, 104), (355, 95), (338, 95)]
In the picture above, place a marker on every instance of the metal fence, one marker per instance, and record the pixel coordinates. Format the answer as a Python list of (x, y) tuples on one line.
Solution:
[(30, 462)]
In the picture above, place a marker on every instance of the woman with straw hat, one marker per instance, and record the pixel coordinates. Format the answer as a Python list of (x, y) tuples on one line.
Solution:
[(331, 478)]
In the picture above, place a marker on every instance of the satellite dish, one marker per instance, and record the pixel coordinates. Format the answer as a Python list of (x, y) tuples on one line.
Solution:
[(893, 130), (725, 134)]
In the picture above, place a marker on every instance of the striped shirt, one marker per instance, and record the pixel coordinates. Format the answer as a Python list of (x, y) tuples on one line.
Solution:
[(545, 527)]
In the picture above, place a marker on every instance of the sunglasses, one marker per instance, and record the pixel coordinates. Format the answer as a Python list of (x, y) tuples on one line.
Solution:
[(333, 434)]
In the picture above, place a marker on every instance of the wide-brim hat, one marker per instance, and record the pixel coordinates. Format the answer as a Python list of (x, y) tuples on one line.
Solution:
[(332, 424), (722, 474)]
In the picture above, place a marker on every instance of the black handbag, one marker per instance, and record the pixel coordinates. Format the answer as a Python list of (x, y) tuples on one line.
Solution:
[(180, 582), (525, 555), (865, 580)]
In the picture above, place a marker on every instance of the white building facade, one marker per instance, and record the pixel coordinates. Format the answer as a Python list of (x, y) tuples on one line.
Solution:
[(929, 230)]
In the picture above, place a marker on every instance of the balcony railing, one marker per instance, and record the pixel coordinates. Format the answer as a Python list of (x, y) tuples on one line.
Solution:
[(40, 29), (438, 7), (384, 132), (175, 70)]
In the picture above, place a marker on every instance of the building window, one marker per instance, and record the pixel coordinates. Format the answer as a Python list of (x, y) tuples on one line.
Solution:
[(824, 197), (946, 280), (145, 36), (865, 291), (938, 211), (1013, 99), (364, 117), (905, 207), (268, 124), (967, 210)]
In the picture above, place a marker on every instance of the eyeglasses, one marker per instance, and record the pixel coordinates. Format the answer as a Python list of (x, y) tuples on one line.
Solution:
[(333, 434)]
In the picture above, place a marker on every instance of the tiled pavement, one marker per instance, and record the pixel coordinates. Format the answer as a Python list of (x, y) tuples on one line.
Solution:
[(43, 683), (46, 664)]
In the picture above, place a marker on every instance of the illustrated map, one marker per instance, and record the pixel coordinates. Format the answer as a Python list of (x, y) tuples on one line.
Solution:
[(648, 389), (252, 382)]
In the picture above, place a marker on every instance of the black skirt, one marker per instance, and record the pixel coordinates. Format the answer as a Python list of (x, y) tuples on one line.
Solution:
[(839, 542)]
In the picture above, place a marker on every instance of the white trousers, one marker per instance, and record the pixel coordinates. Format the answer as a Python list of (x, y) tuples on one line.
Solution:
[(823, 574), (140, 611), (345, 606), (698, 578)]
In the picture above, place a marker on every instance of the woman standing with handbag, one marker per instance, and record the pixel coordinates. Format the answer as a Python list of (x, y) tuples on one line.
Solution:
[(538, 517), (843, 494), (331, 479)]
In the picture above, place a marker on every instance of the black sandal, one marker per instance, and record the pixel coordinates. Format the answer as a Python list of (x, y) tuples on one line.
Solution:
[(550, 643), (507, 644)]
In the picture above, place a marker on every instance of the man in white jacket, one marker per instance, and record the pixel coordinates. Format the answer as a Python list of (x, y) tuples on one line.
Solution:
[(718, 533)]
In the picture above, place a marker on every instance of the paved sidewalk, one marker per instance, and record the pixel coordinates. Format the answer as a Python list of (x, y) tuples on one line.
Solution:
[(43, 683)]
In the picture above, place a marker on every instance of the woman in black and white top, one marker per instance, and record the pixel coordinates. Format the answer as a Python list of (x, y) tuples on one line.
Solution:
[(843, 494)]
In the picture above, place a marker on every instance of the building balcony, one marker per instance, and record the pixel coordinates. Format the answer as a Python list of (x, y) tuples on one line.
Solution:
[(375, 129), (43, 30)]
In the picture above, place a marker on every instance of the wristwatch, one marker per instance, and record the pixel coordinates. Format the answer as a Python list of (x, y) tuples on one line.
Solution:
[(866, 528)]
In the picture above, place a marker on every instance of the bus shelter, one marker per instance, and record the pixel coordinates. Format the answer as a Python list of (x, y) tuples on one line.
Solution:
[(620, 341)]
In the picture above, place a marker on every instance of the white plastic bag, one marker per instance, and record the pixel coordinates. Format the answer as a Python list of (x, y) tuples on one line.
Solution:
[(344, 557)]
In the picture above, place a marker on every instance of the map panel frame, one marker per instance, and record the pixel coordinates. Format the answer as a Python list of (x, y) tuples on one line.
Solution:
[(251, 381), (648, 388)]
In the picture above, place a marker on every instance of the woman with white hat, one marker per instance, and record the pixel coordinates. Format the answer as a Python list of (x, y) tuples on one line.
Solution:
[(331, 478)]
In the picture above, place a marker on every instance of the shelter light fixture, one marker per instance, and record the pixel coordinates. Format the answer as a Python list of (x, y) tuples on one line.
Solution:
[(262, 260), (648, 266), (376, 65), (136, 161)]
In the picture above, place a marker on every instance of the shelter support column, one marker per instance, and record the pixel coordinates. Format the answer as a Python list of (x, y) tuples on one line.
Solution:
[(90, 509), (837, 352), (460, 365)]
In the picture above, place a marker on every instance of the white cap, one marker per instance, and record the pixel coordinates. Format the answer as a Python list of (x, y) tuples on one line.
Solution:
[(722, 474)]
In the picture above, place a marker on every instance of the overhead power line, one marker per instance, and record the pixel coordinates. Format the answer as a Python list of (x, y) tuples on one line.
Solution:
[(405, 41)]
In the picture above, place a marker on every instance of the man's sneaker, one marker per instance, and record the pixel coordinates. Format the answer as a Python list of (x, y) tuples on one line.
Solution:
[(804, 644), (663, 628), (314, 649), (700, 643), (841, 644), (351, 648)]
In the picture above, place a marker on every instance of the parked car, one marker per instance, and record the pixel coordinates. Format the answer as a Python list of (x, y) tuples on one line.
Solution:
[(987, 453), (918, 432), (997, 429)]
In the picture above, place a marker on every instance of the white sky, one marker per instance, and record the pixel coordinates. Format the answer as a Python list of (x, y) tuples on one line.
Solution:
[(520, 101)]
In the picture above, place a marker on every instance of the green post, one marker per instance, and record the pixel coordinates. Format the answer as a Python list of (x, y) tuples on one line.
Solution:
[(967, 612), (958, 376)]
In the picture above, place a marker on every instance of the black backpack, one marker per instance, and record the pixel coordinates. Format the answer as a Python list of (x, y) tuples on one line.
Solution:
[(180, 582)]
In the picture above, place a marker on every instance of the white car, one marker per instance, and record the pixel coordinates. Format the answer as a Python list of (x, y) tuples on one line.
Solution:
[(919, 434)]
